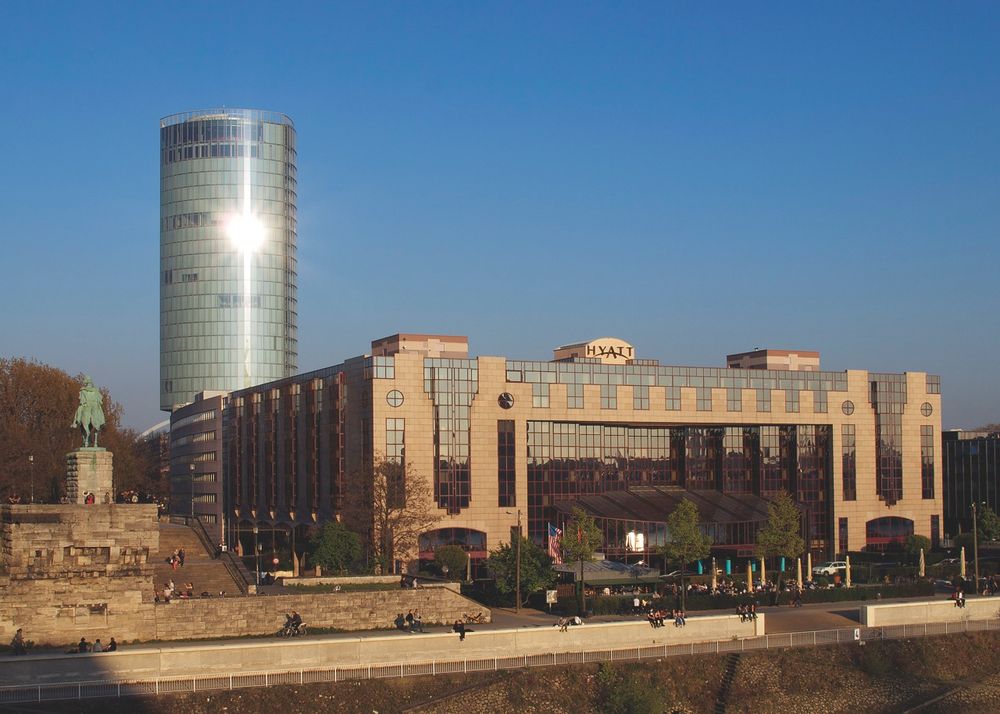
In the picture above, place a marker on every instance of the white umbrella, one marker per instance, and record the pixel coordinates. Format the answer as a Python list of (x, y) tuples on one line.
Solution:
[(798, 572), (763, 572), (848, 572), (923, 566), (749, 577), (809, 565), (962, 563), (715, 581)]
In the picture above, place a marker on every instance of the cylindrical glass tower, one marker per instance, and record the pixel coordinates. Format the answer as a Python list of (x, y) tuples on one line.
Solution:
[(228, 268)]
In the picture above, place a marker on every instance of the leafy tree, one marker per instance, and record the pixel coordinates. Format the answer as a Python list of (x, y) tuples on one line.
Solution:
[(536, 568), (781, 534), (391, 505), (580, 541), (37, 403), (988, 523), (687, 541), (915, 543), (454, 558), (334, 548), (964, 540)]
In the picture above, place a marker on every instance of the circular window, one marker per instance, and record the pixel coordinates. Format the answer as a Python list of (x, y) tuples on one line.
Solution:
[(505, 400), (926, 409), (394, 398), (848, 407)]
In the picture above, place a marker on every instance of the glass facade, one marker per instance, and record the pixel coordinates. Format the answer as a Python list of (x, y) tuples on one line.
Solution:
[(214, 165), (452, 385), (888, 399), (971, 462)]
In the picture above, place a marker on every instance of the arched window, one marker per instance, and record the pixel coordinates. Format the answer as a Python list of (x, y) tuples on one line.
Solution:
[(887, 533)]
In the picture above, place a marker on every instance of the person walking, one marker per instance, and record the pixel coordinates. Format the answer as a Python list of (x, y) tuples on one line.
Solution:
[(17, 644), (459, 627)]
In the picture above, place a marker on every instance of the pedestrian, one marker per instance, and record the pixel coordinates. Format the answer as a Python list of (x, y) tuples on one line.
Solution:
[(563, 624), (180, 556), (409, 620), (83, 646), (98, 647), (17, 644), (459, 627), (418, 623), (112, 646)]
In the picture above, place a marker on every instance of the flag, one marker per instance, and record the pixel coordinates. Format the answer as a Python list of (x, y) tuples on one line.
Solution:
[(555, 535)]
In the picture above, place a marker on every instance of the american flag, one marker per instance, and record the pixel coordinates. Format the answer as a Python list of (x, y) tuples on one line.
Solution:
[(555, 535)]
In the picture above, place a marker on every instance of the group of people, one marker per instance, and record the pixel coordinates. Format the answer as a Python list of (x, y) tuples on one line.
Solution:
[(747, 612), (90, 499), (83, 646), (177, 559), (171, 591), (658, 618), (293, 625), (959, 597), (564, 622), (411, 622)]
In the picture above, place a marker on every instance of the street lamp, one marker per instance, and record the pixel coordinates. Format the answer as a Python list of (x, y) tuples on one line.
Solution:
[(975, 545), (256, 555), (517, 566), (31, 467), (191, 489)]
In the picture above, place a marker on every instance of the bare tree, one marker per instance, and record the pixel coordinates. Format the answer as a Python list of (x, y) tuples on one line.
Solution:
[(392, 505)]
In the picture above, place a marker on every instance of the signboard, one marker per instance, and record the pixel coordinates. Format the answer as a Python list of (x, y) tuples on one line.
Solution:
[(550, 597), (610, 350)]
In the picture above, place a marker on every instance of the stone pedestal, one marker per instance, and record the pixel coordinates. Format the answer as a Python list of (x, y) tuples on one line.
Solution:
[(89, 470)]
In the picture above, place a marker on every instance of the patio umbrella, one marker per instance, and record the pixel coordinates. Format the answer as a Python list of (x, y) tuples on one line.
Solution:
[(715, 581), (809, 565), (749, 576), (763, 572), (847, 572), (961, 564), (798, 572), (923, 565)]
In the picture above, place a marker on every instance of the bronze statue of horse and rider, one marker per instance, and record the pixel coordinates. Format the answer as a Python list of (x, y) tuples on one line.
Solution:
[(89, 417)]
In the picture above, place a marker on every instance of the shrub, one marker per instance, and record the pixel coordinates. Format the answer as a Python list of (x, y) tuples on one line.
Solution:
[(625, 693), (452, 557)]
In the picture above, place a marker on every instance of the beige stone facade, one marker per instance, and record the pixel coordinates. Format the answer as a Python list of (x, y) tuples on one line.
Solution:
[(89, 471), (498, 436)]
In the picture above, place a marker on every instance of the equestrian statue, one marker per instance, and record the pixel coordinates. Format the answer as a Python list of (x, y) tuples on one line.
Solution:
[(89, 415)]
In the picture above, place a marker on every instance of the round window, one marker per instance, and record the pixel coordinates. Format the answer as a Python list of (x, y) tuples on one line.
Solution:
[(848, 407), (394, 398), (505, 400), (926, 409)]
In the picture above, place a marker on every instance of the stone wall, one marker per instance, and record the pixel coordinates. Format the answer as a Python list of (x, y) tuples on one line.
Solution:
[(71, 569), (349, 611), (929, 611)]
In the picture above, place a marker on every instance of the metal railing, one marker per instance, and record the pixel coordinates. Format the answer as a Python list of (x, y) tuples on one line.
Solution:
[(167, 685)]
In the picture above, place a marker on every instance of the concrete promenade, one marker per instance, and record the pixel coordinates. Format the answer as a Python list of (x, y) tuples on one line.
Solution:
[(342, 650)]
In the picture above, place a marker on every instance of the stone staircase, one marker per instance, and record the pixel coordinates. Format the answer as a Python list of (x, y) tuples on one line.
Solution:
[(200, 569)]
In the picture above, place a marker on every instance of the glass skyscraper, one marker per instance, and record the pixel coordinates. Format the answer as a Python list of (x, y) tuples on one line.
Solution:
[(228, 268)]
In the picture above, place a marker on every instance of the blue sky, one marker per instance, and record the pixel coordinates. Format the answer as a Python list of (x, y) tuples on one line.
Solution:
[(695, 179)]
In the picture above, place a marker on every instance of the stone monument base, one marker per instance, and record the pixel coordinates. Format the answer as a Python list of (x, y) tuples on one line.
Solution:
[(89, 470)]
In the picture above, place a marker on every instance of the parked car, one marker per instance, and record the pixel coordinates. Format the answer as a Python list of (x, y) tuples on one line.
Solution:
[(950, 561), (831, 567)]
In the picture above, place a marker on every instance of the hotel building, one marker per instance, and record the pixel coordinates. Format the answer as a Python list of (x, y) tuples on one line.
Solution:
[(623, 437)]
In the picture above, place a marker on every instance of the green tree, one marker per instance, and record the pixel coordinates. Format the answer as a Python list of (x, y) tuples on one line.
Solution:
[(916, 543), (454, 558), (687, 541), (964, 540), (334, 548), (580, 541), (781, 534), (536, 568), (988, 523)]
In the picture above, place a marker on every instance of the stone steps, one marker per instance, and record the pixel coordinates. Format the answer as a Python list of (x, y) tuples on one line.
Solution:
[(200, 569)]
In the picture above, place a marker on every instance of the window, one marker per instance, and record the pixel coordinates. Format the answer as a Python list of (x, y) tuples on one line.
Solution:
[(791, 401), (847, 407), (673, 399), (506, 474), (935, 531), (734, 399), (927, 461), (609, 396), (394, 398), (704, 397), (640, 396), (848, 452), (820, 405), (395, 435), (540, 396), (574, 396), (204, 498), (763, 400), (842, 535)]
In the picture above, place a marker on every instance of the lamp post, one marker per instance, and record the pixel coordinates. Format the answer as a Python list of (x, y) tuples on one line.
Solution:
[(191, 486), (31, 468), (256, 555), (975, 545)]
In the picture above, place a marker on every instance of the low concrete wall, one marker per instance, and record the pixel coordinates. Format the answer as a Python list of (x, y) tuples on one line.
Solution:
[(226, 658), (344, 580), (923, 611), (263, 615)]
